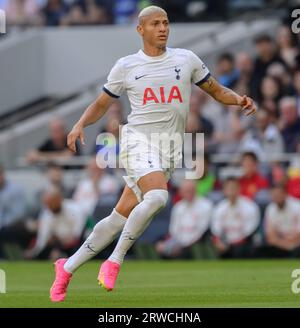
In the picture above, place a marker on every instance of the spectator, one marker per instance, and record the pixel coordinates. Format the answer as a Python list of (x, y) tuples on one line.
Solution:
[(53, 12), (54, 148), (176, 9), (125, 11), (190, 219), (266, 55), (84, 12), (280, 73), (61, 225), (209, 108), (54, 177), (264, 138), (234, 221), (271, 92), (230, 130), (13, 204), (205, 185), (296, 81), (287, 44), (190, 148), (244, 65), (251, 182), (205, 125), (13, 212), (75, 14), (293, 173), (282, 224), (114, 121), (289, 122), (109, 137), (91, 188), (22, 12), (227, 73)]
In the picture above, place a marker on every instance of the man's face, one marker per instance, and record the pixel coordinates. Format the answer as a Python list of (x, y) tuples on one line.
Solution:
[(57, 131), (244, 63), (188, 190), (262, 120), (249, 166), (278, 196), (231, 189), (53, 202), (289, 114), (154, 29), (225, 66), (265, 49)]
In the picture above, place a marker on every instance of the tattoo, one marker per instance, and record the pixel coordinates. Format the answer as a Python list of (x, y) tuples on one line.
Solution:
[(227, 91), (231, 93), (209, 83), (220, 93)]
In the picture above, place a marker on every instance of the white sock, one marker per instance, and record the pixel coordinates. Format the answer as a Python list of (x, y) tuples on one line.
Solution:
[(104, 232), (137, 222)]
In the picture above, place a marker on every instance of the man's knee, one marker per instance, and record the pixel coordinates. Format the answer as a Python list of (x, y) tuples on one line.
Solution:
[(125, 209), (113, 222), (127, 202), (157, 198)]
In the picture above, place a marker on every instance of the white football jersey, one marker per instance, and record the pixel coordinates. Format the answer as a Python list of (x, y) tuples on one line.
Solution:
[(190, 220), (235, 222), (286, 219), (158, 88)]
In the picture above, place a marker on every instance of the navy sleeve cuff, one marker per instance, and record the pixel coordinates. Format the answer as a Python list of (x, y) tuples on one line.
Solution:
[(110, 93), (206, 77)]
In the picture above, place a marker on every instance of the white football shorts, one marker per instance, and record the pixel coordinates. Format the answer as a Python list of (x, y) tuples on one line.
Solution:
[(139, 157)]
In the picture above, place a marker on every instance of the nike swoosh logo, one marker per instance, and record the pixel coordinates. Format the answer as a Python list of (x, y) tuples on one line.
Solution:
[(138, 77), (89, 247)]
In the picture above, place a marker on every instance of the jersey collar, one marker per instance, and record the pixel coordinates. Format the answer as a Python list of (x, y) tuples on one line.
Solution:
[(153, 58)]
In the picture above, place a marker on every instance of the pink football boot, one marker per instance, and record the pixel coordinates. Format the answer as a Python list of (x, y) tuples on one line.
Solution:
[(58, 290), (108, 274)]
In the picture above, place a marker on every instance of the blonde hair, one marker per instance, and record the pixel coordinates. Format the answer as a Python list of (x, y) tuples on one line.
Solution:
[(149, 11)]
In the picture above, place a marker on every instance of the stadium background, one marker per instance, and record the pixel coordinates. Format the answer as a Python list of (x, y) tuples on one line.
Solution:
[(55, 57)]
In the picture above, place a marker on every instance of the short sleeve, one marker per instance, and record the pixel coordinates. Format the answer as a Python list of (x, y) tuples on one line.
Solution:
[(115, 81), (200, 73)]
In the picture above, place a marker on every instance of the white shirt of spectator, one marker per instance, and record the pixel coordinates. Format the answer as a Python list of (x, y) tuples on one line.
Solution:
[(158, 88), (285, 220), (235, 222), (189, 221), (86, 196), (66, 226), (264, 146)]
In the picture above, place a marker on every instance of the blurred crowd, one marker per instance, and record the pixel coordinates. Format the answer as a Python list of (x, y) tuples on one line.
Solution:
[(85, 12), (238, 209), (94, 12)]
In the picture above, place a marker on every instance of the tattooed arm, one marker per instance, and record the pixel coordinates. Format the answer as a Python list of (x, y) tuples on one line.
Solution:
[(227, 96)]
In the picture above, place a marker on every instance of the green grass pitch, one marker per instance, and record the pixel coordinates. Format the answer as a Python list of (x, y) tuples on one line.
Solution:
[(247, 283)]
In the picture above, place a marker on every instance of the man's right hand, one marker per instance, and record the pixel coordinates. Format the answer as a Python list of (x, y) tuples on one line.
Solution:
[(76, 132)]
